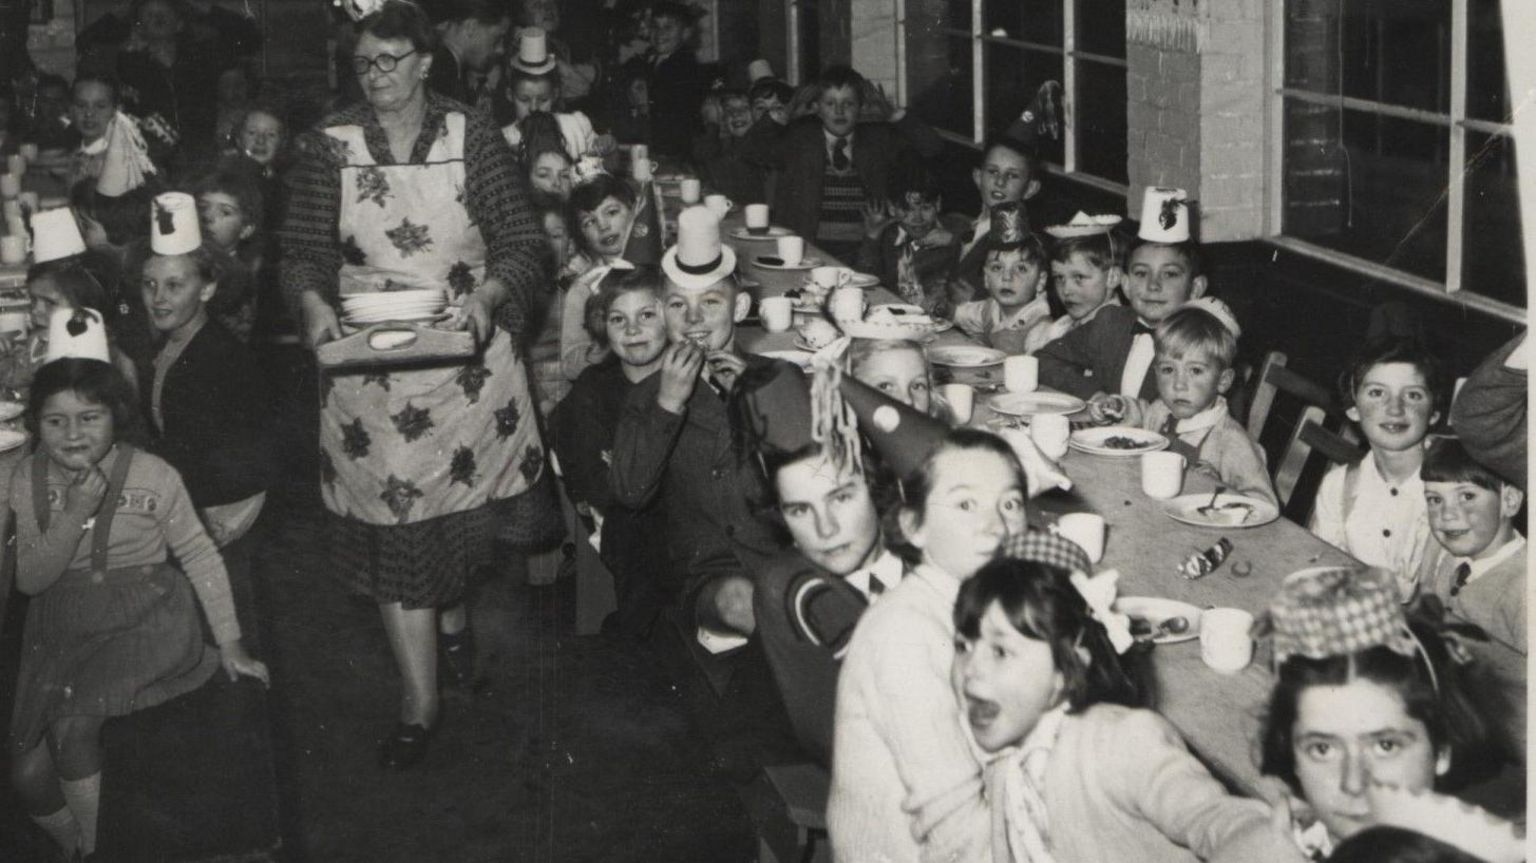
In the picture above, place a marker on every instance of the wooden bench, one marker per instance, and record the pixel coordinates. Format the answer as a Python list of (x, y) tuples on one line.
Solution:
[(799, 833)]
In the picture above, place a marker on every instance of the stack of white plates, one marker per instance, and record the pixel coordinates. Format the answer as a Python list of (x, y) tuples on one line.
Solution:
[(415, 305)]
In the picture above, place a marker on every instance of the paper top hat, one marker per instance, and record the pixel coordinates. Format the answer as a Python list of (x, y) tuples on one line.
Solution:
[(1218, 310), (1084, 225), (699, 259), (904, 437), (55, 235), (174, 229), (1010, 226), (759, 69), (533, 55), (78, 333), (1452, 821), (1164, 216), (1334, 611)]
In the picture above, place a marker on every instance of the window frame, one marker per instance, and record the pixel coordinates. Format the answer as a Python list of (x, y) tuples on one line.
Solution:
[(980, 122), (1455, 121)]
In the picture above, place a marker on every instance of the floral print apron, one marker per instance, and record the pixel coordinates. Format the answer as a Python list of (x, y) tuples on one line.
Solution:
[(405, 444)]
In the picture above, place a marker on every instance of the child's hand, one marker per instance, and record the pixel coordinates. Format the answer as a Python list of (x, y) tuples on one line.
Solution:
[(1106, 408), (877, 216), (680, 366), (84, 495), (237, 662), (725, 367)]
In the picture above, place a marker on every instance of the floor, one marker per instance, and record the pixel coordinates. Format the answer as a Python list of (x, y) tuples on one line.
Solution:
[(571, 748)]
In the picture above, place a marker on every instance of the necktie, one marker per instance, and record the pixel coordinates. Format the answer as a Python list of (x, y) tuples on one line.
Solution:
[(1463, 572), (876, 586), (840, 154), (1170, 427)]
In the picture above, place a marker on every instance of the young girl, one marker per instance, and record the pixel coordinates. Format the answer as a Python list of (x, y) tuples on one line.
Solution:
[(603, 210), (112, 627), (53, 287), (549, 171), (905, 781), (1374, 508), (1364, 694), (1090, 773), (544, 351)]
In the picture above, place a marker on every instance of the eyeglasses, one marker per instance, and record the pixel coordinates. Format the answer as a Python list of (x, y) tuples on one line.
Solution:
[(385, 62)]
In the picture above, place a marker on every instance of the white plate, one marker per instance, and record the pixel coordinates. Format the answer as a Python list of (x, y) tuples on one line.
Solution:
[(1096, 440), (966, 356), (934, 325), (799, 358), (394, 296), (11, 439), (1253, 511), (430, 308), (774, 233), (805, 263), (1029, 404), (11, 410), (1155, 610), (366, 320)]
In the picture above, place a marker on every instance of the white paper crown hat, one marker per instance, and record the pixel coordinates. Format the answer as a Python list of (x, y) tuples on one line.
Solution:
[(55, 235), (699, 259), (173, 228), (1220, 311), (78, 333), (533, 54), (1164, 216), (759, 69)]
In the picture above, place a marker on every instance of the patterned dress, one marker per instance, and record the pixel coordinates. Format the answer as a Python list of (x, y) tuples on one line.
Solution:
[(418, 462)]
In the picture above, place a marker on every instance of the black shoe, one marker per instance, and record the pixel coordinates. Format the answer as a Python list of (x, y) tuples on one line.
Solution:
[(405, 746), (458, 653)]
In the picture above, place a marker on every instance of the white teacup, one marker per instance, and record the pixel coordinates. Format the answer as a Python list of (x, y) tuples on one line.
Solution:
[(777, 313), (1226, 643), (791, 249), (690, 189), (1052, 433), (756, 216), (1162, 474), (847, 304), (16, 166), (642, 170), (13, 249), (10, 186), (960, 397), (1086, 529), (831, 278), (719, 203), (1021, 374)]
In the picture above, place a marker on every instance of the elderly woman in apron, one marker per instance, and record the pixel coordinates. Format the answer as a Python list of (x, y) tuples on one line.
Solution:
[(420, 465)]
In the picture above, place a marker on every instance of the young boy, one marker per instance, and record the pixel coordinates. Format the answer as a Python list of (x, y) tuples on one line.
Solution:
[(727, 116), (1113, 353), (1015, 307), (1374, 508), (1008, 173), (1195, 349), (229, 207), (1478, 569), (674, 443), (1086, 272), (830, 164), (675, 82), (770, 98), (906, 245)]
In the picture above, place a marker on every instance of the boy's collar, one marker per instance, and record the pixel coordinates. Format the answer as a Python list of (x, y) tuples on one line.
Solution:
[(1493, 556), (1205, 419)]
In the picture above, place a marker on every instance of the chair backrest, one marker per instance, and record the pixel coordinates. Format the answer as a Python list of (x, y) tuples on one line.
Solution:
[(1310, 436), (1274, 378)]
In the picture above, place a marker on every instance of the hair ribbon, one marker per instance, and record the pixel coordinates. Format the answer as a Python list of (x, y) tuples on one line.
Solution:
[(1098, 591)]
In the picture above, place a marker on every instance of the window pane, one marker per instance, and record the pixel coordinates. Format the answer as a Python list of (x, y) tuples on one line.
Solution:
[(1013, 76), (939, 78), (1487, 83), (1100, 117), (1395, 51), (1367, 185), (1493, 261), (1026, 20), (1100, 27)]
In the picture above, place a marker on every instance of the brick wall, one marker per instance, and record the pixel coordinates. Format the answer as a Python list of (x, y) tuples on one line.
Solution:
[(872, 41)]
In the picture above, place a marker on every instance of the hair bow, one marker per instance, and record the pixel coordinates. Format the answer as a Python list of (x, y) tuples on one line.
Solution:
[(1099, 592)]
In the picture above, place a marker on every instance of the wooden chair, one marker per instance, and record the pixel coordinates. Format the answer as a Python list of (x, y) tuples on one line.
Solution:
[(802, 789), (1309, 436), (1274, 378)]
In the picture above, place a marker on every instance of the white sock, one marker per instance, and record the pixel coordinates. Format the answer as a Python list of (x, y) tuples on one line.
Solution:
[(84, 799), (62, 827)]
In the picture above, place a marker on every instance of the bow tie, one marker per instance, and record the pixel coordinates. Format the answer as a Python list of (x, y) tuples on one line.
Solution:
[(1142, 329)]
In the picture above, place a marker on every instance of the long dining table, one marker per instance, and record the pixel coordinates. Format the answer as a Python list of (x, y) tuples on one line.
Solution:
[(1220, 715)]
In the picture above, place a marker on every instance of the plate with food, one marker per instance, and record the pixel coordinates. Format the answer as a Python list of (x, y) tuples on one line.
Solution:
[(773, 233), (1221, 510), (804, 300), (895, 321), (966, 356), (1160, 621), (1029, 404), (1117, 441), (774, 262)]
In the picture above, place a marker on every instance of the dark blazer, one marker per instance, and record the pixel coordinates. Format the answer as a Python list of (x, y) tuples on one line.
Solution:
[(805, 617), (798, 154), (1091, 358), (677, 89), (218, 432)]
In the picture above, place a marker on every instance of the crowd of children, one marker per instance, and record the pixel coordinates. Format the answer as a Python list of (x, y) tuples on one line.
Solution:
[(955, 666)]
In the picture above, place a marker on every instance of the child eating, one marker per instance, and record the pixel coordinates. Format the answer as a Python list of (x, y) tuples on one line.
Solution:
[(1015, 313), (112, 627), (1375, 508), (1195, 349), (1096, 774)]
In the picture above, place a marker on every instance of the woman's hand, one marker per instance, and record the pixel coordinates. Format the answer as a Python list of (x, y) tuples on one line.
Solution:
[(237, 662), (84, 495), (680, 366), (478, 314), (320, 323)]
